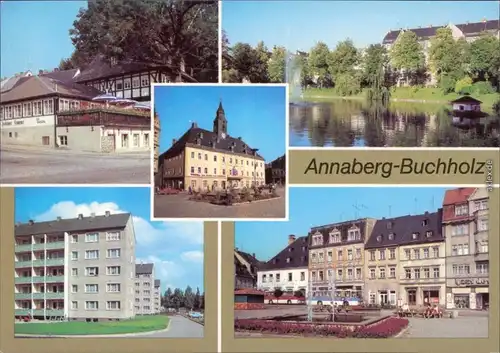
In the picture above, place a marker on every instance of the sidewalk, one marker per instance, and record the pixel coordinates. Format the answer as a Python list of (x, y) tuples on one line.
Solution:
[(52, 150)]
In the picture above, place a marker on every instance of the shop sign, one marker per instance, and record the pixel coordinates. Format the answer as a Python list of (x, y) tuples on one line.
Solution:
[(470, 282), (18, 122)]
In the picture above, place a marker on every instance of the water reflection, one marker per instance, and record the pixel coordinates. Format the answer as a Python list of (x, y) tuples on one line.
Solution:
[(347, 123)]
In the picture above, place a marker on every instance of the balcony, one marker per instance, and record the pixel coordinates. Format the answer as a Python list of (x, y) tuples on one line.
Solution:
[(22, 296), (23, 280), (481, 256), (54, 279), (38, 296), (22, 248), (405, 280), (49, 262), (22, 264), (22, 312), (481, 213), (54, 245), (54, 295)]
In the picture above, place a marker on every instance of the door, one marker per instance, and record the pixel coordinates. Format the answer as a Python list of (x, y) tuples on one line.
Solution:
[(112, 140)]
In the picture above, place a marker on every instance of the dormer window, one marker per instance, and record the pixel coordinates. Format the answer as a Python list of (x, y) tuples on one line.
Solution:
[(288, 260), (425, 222), (428, 234), (353, 234), (290, 249), (317, 239), (414, 236), (201, 135), (275, 261), (391, 236), (335, 237), (198, 141), (379, 238), (389, 225)]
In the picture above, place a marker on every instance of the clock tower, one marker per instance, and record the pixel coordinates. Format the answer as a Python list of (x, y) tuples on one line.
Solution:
[(220, 122)]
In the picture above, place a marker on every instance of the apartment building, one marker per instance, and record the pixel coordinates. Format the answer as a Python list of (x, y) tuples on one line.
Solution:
[(79, 269), (209, 160), (157, 296), (422, 276), (336, 254), (144, 289), (465, 225), (288, 270), (382, 260), (246, 266)]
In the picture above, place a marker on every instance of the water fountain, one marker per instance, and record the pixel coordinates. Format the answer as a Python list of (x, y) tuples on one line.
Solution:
[(332, 290), (293, 76), (309, 303)]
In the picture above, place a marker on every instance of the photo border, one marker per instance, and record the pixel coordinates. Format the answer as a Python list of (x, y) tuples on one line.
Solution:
[(298, 344), (228, 219), (10, 344)]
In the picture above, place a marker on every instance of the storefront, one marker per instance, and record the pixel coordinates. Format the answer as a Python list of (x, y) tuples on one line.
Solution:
[(422, 295), (468, 293)]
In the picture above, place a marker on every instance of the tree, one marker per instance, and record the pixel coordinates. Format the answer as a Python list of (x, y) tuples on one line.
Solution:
[(260, 66), (278, 292), (166, 300), (375, 63), (202, 301), (189, 298), (197, 299), (177, 299), (276, 66), (407, 55), (244, 58), (484, 56), (343, 60), (173, 33), (318, 63), (301, 293)]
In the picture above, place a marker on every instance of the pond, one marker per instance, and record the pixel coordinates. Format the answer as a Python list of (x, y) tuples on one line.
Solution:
[(355, 123)]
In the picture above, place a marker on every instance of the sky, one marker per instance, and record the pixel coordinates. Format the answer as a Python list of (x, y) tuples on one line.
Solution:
[(176, 248), (298, 25), (256, 114), (34, 35), (311, 207)]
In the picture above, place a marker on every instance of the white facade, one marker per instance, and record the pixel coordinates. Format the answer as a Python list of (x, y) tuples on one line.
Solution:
[(288, 280), (469, 106)]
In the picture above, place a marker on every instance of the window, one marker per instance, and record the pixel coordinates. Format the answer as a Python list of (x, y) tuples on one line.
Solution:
[(302, 276), (74, 305), (91, 238), (290, 276), (91, 254), (372, 298), (339, 275), (136, 83), (144, 81), (466, 249), (113, 305), (435, 251), (381, 254), (335, 237), (112, 236), (74, 239), (126, 83), (392, 272), (358, 253), (91, 305), (74, 272), (461, 210), (407, 254), (407, 273), (391, 236), (392, 254), (427, 273), (27, 109), (119, 85), (461, 229), (37, 108), (372, 273), (381, 272), (414, 236), (416, 254), (314, 257), (435, 272), (339, 255), (482, 225), (372, 255), (482, 268), (321, 257), (330, 256), (113, 253), (91, 288), (317, 239), (349, 255), (74, 288), (113, 270), (278, 278), (113, 287), (353, 235), (481, 205), (74, 255), (92, 271), (349, 274), (426, 253), (428, 234), (416, 273), (358, 273), (63, 140)]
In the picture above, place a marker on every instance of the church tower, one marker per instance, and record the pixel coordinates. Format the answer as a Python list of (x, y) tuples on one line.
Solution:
[(220, 122)]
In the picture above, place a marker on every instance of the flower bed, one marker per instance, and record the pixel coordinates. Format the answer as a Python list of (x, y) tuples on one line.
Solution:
[(382, 329), (232, 197)]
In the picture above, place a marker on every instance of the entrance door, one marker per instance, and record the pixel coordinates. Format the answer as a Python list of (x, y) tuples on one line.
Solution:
[(125, 140), (112, 138), (383, 297), (223, 184), (45, 140)]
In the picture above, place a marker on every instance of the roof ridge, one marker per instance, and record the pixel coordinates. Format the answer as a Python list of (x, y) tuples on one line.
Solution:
[(45, 84)]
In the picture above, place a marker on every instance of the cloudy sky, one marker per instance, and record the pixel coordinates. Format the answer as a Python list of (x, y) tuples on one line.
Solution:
[(176, 248)]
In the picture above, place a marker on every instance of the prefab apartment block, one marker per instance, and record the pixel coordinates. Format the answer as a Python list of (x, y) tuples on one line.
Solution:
[(79, 269)]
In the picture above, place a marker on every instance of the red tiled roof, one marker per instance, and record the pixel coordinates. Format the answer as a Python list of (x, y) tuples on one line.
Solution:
[(247, 291), (455, 196)]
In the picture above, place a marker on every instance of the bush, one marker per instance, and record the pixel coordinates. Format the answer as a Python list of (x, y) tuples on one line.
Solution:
[(447, 84), (464, 85), (483, 87), (383, 329)]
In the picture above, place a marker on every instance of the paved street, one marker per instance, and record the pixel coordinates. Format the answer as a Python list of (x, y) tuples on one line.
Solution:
[(179, 206), (460, 327), (22, 165)]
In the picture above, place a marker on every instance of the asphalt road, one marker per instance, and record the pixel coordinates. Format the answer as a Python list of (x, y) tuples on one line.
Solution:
[(20, 165)]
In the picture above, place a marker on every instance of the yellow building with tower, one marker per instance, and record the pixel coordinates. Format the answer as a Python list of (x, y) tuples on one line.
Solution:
[(210, 160)]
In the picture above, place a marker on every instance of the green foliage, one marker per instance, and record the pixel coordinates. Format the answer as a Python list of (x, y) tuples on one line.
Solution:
[(318, 63), (447, 83), (484, 56), (407, 54), (464, 85), (347, 84), (375, 64), (446, 55), (183, 299), (483, 87), (343, 59), (276, 65)]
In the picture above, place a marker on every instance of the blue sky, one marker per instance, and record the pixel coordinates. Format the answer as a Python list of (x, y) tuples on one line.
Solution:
[(298, 25), (256, 114), (176, 248), (319, 206), (34, 35)]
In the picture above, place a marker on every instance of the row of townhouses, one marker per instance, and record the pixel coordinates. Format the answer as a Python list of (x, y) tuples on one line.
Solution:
[(82, 269), (438, 257)]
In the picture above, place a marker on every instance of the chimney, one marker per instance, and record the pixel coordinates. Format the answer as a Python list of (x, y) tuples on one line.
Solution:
[(484, 20), (174, 141), (426, 212), (80, 216), (291, 239), (31, 222), (59, 218), (40, 72), (92, 215), (253, 255), (107, 213), (194, 125), (239, 138)]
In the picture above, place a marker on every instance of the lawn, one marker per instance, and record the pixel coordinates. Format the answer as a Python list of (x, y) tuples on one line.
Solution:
[(428, 94), (138, 324)]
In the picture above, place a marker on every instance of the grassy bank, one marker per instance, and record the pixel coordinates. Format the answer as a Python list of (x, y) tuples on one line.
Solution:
[(410, 94), (136, 325)]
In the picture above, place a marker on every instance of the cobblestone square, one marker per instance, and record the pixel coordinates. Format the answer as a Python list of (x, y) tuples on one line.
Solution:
[(179, 206)]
